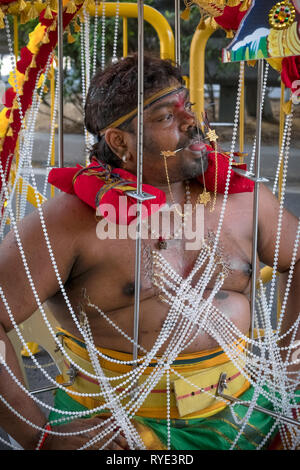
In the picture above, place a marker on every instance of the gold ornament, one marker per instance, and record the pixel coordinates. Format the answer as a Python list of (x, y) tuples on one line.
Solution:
[(168, 153), (211, 135), (282, 15), (205, 198)]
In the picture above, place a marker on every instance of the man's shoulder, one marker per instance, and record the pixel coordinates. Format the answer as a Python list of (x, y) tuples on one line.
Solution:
[(67, 206)]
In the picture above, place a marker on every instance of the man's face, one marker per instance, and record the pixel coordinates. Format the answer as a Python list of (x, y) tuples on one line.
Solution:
[(169, 124)]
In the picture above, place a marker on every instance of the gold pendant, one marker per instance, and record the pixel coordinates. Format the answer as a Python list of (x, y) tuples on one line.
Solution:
[(205, 197), (211, 135)]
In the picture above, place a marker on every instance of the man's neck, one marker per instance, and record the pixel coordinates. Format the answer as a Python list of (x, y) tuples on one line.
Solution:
[(177, 193)]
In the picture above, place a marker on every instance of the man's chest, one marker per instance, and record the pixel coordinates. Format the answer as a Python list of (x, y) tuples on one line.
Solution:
[(110, 263)]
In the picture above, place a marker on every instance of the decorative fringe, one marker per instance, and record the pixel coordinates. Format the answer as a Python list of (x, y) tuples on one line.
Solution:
[(21, 5), (185, 15), (233, 3), (201, 24), (33, 63), (81, 15), (32, 12), (71, 7), (88, 3), (76, 26), (48, 14), (10, 132), (1, 19), (39, 7), (53, 5), (46, 39), (71, 39), (213, 23), (276, 63), (53, 26), (287, 107), (229, 34), (245, 5), (251, 63), (23, 17)]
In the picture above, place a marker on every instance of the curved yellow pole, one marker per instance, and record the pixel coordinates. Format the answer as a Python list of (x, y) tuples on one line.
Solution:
[(152, 16), (197, 66)]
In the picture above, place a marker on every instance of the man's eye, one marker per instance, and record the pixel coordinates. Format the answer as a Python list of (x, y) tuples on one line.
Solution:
[(188, 105), (166, 117)]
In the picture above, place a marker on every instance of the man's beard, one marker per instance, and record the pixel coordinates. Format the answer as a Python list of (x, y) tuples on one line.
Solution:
[(196, 167)]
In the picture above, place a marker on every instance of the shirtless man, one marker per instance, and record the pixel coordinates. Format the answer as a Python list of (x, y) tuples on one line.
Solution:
[(105, 268)]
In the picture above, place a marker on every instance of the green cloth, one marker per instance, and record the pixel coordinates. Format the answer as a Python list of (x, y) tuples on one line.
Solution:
[(217, 432)]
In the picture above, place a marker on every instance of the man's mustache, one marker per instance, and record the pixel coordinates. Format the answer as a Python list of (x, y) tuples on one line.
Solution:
[(192, 134)]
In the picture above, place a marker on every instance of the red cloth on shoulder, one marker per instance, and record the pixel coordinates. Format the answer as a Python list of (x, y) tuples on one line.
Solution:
[(87, 187), (238, 184)]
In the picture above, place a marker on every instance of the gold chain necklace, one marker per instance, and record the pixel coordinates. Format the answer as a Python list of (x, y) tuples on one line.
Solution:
[(202, 198)]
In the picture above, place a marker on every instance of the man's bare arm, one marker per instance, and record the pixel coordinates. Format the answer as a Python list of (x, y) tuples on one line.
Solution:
[(268, 221)]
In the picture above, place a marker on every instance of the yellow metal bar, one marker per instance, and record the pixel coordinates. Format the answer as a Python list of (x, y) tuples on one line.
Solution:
[(16, 53), (31, 198), (281, 128), (125, 36), (242, 116), (152, 16), (16, 38), (280, 179), (52, 94), (197, 67), (266, 274)]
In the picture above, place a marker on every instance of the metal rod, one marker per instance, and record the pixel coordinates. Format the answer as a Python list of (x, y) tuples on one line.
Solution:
[(42, 390), (260, 79), (60, 30), (177, 33), (140, 122), (72, 373), (222, 385)]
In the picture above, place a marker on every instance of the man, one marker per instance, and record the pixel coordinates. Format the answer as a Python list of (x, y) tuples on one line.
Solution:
[(99, 274)]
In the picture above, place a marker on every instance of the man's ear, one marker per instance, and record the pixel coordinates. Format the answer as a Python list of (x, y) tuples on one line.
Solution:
[(116, 140)]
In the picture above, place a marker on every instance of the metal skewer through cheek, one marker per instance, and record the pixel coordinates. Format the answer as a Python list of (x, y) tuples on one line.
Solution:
[(139, 175)]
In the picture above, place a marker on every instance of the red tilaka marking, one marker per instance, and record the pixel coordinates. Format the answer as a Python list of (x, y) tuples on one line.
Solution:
[(180, 100), (206, 389)]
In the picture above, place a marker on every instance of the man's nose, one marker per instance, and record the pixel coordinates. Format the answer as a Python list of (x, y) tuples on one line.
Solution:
[(187, 120)]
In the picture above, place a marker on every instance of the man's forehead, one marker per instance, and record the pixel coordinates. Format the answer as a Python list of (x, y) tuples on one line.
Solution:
[(175, 98), (178, 91)]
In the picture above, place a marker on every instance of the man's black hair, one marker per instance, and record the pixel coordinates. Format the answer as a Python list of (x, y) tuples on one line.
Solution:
[(114, 93)]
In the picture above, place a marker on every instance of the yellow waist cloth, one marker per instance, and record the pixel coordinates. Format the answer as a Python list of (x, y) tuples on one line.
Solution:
[(187, 399)]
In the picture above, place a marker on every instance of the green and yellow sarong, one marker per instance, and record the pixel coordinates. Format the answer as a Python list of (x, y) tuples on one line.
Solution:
[(199, 421)]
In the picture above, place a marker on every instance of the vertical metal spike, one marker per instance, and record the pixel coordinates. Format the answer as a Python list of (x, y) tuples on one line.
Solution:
[(60, 30), (260, 79), (139, 170)]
